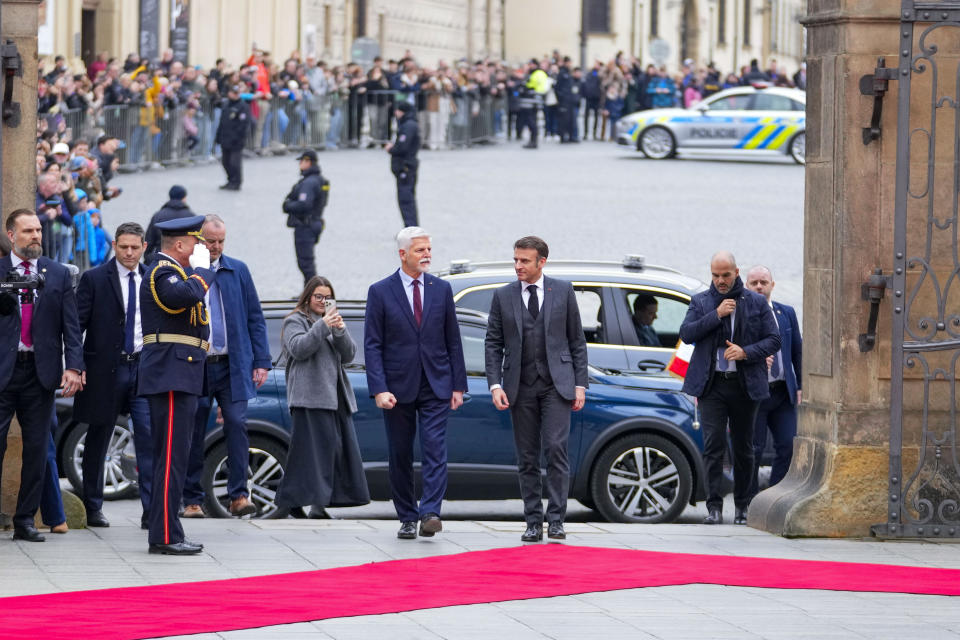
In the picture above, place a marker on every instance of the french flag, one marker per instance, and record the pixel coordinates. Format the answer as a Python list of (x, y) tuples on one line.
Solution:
[(681, 359)]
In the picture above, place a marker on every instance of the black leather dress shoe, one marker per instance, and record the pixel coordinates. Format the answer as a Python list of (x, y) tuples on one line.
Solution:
[(176, 549), (27, 532), (193, 544), (555, 531), (714, 517), (740, 517), (430, 525), (319, 513), (408, 531), (534, 533), (97, 519), (144, 522)]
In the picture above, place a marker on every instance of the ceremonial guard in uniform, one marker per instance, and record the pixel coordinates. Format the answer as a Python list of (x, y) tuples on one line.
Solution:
[(175, 331)]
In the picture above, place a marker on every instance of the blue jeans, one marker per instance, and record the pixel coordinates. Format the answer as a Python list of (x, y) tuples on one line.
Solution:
[(333, 135), (234, 414)]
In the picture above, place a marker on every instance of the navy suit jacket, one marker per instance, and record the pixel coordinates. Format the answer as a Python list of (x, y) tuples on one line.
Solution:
[(247, 341), (397, 350), (754, 330), (55, 329), (791, 347), (103, 317)]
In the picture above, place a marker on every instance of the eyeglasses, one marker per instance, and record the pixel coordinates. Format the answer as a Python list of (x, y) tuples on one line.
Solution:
[(319, 297)]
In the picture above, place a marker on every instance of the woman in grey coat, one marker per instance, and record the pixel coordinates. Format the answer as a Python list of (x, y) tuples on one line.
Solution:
[(324, 468)]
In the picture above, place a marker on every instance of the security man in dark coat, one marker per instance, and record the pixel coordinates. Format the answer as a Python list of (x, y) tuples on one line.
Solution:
[(568, 90), (107, 302), (404, 163), (39, 334), (175, 207), (304, 208), (235, 122), (175, 332), (733, 331)]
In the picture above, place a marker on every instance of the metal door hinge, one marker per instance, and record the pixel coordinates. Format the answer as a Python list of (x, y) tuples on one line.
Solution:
[(12, 66), (876, 85), (872, 291)]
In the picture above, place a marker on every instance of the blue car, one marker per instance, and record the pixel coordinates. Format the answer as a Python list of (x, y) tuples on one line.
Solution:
[(635, 448)]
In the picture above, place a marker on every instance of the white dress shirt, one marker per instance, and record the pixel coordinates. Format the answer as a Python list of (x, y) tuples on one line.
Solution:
[(122, 272), (408, 288), (525, 293)]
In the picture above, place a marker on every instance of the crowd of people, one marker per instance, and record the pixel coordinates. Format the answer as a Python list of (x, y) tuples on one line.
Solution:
[(165, 110)]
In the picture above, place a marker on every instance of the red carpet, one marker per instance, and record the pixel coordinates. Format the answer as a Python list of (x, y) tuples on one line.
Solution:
[(404, 585)]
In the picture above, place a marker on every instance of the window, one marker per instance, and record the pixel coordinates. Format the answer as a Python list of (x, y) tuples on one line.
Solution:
[(478, 300), (772, 102), (355, 327), (596, 16), (274, 326), (730, 103), (746, 23), (654, 18), (721, 21), (670, 313), (360, 19), (472, 337)]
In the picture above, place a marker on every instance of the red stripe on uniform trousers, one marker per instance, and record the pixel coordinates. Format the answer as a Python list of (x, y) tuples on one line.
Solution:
[(166, 474)]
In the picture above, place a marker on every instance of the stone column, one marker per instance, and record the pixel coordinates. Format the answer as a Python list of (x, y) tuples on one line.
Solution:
[(837, 483), (18, 22)]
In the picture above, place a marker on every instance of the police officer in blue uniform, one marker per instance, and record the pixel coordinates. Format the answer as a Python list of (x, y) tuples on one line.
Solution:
[(175, 331), (404, 163), (232, 132), (304, 208)]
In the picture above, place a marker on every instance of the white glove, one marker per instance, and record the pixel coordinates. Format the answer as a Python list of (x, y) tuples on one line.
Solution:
[(200, 258)]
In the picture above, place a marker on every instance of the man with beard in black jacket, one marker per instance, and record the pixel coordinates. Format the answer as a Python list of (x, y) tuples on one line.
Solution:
[(231, 135), (304, 208), (175, 207), (404, 163)]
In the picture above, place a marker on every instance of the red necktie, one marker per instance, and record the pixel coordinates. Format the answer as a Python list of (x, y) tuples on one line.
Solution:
[(26, 315), (417, 304)]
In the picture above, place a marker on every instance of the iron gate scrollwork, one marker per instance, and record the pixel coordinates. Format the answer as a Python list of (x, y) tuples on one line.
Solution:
[(924, 475)]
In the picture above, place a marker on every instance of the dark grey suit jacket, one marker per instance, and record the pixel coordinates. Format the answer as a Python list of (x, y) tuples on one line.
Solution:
[(566, 344)]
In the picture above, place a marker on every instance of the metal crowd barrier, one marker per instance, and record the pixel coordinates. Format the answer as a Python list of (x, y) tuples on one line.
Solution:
[(163, 137)]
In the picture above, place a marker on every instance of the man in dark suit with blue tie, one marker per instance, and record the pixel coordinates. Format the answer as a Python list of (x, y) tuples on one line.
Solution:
[(237, 366), (733, 331), (536, 365), (108, 301), (175, 331), (778, 413), (416, 373), (39, 330)]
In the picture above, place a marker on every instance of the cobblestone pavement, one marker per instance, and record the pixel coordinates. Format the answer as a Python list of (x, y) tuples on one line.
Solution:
[(588, 201), (115, 557)]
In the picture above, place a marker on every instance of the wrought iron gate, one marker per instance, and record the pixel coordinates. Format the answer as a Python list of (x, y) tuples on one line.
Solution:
[(924, 476)]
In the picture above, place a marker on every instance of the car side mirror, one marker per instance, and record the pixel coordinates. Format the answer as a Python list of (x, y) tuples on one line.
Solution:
[(702, 108)]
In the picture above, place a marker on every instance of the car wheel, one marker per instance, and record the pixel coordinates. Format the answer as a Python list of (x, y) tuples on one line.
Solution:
[(798, 148), (116, 485), (264, 473), (641, 478), (658, 143)]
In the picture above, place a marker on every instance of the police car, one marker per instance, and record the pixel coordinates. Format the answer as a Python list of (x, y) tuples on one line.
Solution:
[(768, 120)]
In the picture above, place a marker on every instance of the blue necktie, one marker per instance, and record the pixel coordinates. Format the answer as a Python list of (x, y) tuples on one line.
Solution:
[(775, 367), (130, 325), (216, 318)]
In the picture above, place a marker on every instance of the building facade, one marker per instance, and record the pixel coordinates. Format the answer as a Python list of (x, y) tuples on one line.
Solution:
[(200, 31), (728, 32)]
